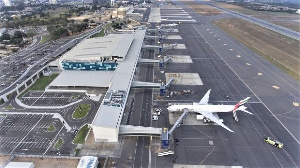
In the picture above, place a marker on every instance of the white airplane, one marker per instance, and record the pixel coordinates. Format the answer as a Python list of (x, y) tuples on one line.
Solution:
[(207, 110)]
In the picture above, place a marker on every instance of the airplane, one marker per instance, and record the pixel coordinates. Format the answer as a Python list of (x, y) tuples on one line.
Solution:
[(207, 110)]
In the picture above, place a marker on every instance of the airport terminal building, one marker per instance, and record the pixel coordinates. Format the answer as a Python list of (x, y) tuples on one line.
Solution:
[(104, 67)]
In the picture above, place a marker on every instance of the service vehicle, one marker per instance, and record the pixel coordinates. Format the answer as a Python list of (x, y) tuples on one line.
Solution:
[(273, 142)]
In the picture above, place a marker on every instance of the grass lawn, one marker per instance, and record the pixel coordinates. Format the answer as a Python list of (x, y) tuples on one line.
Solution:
[(75, 96), (81, 111), (45, 38), (100, 34), (1, 102), (204, 9), (280, 50), (79, 139), (9, 107), (58, 143), (40, 84), (51, 128), (56, 12), (283, 19)]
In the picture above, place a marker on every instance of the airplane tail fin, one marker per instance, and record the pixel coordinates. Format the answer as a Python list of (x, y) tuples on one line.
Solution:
[(239, 106)]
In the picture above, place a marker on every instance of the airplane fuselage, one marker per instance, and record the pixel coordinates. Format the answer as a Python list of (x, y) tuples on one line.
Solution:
[(202, 108)]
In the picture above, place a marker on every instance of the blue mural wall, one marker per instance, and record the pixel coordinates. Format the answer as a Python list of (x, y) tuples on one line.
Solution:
[(96, 66)]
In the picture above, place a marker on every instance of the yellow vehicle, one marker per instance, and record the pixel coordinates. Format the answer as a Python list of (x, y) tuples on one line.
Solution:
[(273, 142)]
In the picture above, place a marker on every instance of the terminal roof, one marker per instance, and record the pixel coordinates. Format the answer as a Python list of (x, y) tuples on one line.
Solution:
[(94, 48), (111, 116)]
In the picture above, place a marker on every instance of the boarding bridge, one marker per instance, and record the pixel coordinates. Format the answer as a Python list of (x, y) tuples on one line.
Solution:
[(172, 46), (160, 30), (130, 130), (147, 61), (177, 123), (169, 59), (170, 82), (155, 37), (139, 84)]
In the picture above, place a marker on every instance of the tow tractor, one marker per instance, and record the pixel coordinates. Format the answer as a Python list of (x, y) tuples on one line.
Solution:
[(273, 142)]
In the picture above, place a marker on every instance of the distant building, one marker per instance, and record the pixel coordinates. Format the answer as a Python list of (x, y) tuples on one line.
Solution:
[(2, 31), (88, 162), (20, 165), (7, 2), (52, 1), (88, 1)]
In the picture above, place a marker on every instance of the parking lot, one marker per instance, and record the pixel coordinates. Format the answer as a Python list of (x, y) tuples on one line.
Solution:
[(38, 98), (28, 134)]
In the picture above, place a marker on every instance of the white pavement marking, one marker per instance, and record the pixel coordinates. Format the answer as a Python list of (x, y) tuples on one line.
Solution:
[(253, 92), (26, 135), (53, 141), (37, 99)]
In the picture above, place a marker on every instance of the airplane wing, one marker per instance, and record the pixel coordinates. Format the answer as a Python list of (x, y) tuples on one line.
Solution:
[(214, 119), (205, 98)]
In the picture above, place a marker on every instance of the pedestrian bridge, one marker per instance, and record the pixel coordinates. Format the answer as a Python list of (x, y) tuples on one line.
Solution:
[(130, 130)]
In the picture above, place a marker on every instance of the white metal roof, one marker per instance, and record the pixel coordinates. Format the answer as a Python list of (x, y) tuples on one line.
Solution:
[(20, 165), (94, 48), (87, 161), (109, 116), (83, 78)]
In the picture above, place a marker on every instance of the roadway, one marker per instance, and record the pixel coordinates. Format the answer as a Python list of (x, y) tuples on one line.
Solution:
[(279, 29), (31, 61), (136, 150)]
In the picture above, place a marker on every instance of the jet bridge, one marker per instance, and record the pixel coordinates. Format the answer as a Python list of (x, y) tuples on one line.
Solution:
[(178, 122), (172, 46), (160, 38), (155, 37), (130, 130), (160, 62), (165, 135), (148, 61), (162, 86), (161, 30)]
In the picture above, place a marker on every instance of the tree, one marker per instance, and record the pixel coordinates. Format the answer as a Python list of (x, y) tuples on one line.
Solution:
[(31, 33), (18, 34), (5, 36), (85, 20), (20, 5), (16, 41)]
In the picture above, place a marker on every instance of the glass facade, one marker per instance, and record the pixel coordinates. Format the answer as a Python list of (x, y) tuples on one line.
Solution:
[(96, 66)]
